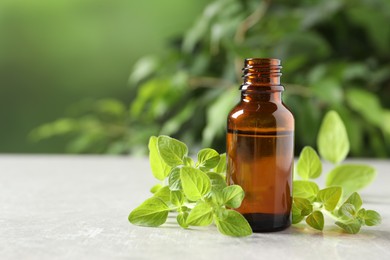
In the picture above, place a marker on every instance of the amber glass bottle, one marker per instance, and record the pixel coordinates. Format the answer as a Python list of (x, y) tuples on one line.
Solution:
[(260, 147)]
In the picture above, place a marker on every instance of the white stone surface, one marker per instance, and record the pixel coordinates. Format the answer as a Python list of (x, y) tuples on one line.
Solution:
[(76, 207)]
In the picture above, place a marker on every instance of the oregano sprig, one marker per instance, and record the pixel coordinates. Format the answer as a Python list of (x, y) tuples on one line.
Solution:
[(343, 181), (196, 191)]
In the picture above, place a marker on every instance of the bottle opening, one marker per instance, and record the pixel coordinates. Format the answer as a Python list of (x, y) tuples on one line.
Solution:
[(262, 72)]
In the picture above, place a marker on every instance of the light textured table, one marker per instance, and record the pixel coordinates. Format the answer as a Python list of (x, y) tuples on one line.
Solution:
[(74, 207)]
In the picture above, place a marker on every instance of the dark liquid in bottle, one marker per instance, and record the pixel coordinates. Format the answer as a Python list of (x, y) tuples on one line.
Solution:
[(261, 162)]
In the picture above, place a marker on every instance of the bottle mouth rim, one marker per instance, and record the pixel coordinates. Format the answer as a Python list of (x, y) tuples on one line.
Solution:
[(262, 61)]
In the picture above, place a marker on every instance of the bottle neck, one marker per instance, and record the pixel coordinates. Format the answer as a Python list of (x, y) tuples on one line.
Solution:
[(261, 80)]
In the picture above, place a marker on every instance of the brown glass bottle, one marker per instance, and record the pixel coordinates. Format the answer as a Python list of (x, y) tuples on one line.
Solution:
[(260, 147)]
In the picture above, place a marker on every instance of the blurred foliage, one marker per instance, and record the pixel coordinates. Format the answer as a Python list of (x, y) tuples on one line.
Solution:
[(335, 53)]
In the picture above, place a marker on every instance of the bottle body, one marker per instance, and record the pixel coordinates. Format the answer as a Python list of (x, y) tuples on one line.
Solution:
[(260, 154)]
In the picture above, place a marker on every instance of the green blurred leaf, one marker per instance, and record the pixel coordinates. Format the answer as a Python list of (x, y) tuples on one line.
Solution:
[(352, 177), (333, 144), (352, 227)]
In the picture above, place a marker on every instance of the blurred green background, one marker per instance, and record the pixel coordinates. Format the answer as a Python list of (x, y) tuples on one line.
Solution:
[(99, 76)]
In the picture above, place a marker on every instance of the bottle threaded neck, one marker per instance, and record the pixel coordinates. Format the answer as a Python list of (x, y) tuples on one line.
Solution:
[(261, 72)]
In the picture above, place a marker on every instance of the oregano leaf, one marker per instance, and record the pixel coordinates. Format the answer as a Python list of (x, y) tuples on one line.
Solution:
[(332, 141), (207, 159), (174, 181), (352, 227), (233, 224), (309, 165), (316, 220), (159, 168), (221, 166), (200, 215), (233, 196), (329, 197), (372, 218), (195, 183), (172, 151), (305, 189), (182, 219), (152, 212), (164, 194), (352, 177)]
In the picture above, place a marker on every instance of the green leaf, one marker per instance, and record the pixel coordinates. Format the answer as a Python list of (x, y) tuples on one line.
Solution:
[(332, 141), (355, 200), (352, 177), (164, 194), (372, 218), (152, 212), (233, 224), (195, 183), (182, 219), (200, 215), (330, 197), (217, 181), (316, 220), (233, 196), (296, 215), (160, 169), (177, 198), (305, 189), (207, 159), (221, 167), (347, 210), (174, 181), (309, 164), (303, 205), (172, 151), (352, 227), (155, 188), (188, 161)]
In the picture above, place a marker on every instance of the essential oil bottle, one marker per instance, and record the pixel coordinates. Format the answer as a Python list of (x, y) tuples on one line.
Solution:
[(260, 147)]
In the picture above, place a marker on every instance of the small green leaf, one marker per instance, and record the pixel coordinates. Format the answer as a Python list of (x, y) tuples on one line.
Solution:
[(372, 218), (234, 224), (174, 181), (316, 220), (355, 200), (172, 151), (221, 167), (188, 161), (155, 188), (152, 212), (195, 183), (200, 215), (352, 177), (233, 196), (182, 219), (164, 194), (347, 210), (305, 189), (159, 168), (352, 227), (330, 197), (296, 215), (207, 159), (303, 205), (332, 142), (217, 181), (309, 165), (177, 198)]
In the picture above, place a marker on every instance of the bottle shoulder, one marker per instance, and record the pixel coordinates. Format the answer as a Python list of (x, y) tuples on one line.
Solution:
[(269, 115)]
